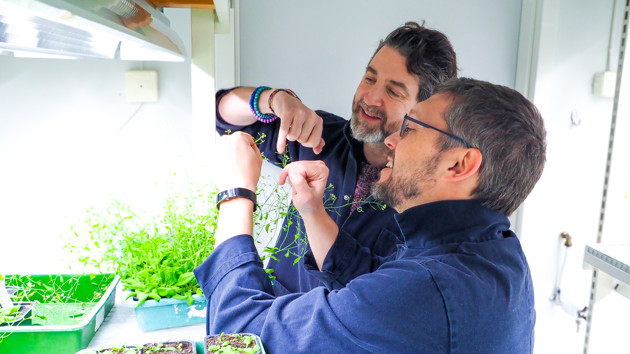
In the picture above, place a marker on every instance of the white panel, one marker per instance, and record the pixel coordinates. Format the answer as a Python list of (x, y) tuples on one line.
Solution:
[(69, 140), (320, 48)]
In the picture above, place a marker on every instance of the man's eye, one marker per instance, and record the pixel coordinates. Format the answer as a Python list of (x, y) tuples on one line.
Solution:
[(370, 80), (394, 93)]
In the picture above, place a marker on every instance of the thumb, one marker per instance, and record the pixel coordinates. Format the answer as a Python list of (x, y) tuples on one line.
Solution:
[(318, 149), (298, 182)]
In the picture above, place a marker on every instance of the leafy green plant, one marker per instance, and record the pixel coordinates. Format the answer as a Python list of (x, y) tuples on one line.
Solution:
[(149, 348), (233, 343), (153, 259), (9, 314)]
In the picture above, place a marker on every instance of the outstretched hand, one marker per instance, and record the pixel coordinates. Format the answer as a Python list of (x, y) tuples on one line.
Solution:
[(297, 123), (239, 162), (308, 180)]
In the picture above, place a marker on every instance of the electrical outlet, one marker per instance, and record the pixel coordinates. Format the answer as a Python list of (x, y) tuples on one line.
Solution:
[(141, 86), (604, 83)]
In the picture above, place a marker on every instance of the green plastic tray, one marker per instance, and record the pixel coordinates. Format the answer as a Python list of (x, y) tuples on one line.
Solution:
[(69, 326)]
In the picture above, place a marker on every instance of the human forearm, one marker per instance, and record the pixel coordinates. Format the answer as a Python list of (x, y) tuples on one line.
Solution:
[(321, 231), (235, 218), (308, 179), (240, 163), (297, 122), (234, 106)]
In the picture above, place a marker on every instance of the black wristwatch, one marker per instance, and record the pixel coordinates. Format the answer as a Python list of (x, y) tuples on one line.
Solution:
[(236, 193)]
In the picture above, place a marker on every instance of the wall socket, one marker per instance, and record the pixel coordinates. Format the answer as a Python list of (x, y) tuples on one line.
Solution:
[(604, 83), (141, 86)]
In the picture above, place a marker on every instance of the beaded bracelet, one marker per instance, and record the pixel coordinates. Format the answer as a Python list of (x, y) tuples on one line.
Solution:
[(290, 92), (253, 104)]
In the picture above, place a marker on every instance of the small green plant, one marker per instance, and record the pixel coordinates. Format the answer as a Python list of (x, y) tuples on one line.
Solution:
[(150, 348), (233, 343), (9, 314), (277, 206), (154, 259)]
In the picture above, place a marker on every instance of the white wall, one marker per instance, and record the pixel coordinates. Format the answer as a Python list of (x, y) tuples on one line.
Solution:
[(320, 48), (69, 140), (573, 47)]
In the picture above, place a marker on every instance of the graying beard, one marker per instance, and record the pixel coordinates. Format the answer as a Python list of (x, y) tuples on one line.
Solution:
[(359, 133)]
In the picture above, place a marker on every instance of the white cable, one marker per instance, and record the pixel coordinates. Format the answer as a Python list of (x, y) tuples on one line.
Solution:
[(129, 119)]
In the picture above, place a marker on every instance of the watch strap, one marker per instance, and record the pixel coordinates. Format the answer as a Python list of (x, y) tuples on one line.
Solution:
[(236, 193)]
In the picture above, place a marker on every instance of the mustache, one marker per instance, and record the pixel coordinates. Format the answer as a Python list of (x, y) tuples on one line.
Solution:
[(371, 110)]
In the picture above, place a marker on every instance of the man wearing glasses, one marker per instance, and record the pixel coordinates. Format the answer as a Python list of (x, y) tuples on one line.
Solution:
[(405, 67), (462, 162)]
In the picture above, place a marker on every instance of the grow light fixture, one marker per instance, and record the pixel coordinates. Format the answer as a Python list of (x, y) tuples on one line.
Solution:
[(108, 29)]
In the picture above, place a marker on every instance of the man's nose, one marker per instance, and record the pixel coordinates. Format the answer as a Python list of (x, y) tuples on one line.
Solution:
[(392, 140), (374, 96)]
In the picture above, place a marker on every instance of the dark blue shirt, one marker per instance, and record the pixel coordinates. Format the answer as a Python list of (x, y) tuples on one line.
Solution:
[(343, 155), (459, 283)]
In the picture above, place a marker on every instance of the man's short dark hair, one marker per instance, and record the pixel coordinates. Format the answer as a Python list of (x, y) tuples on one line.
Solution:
[(507, 129), (430, 55)]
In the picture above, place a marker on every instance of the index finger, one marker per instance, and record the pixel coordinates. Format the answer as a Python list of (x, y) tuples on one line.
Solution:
[(281, 143)]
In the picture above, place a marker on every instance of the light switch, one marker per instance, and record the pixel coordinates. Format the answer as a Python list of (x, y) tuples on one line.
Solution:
[(141, 86)]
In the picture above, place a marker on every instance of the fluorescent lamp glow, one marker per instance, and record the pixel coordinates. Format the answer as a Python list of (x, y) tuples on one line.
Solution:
[(88, 29)]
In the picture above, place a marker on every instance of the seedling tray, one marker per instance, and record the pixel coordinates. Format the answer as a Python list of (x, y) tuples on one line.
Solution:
[(68, 326), (187, 347), (237, 349), (169, 313)]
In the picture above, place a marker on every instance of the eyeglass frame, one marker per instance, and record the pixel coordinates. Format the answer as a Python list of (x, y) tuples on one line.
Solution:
[(407, 118)]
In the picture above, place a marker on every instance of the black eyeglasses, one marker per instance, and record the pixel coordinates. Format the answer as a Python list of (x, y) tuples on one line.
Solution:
[(405, 122)]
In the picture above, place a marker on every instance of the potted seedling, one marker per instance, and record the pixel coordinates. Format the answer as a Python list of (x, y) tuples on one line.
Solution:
[(172, 347), (155, 258), (233, 343)]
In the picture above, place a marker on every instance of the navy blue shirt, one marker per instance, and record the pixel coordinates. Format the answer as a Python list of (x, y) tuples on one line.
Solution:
[(343, 155), (459, 283)]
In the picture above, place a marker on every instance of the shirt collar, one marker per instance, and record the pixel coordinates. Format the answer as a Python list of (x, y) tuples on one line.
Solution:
[(450, 221)]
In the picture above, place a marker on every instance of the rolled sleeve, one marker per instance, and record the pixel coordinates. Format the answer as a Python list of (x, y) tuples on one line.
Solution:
[(231, 254)]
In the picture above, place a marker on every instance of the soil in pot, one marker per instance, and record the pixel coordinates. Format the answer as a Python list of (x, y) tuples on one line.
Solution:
[(183, 347), (232, 343)]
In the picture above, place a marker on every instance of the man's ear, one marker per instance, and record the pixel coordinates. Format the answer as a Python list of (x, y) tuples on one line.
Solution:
[(464, 163)]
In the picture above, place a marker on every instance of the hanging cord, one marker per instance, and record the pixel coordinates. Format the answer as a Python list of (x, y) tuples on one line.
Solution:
[(129, 119)]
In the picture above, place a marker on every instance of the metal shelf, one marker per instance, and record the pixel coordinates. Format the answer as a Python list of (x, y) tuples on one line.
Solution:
[(611, 259)]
